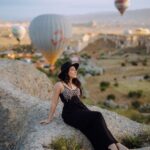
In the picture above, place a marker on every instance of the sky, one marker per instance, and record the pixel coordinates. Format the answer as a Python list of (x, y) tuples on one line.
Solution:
[(27, 9)]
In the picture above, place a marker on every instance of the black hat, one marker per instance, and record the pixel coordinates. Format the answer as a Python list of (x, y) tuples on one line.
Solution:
[(66, 66)]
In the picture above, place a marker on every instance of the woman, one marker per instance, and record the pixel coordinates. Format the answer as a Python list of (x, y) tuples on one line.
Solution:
[(76, 114)]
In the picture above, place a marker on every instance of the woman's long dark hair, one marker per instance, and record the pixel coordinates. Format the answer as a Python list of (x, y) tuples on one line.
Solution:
[(65, 78)]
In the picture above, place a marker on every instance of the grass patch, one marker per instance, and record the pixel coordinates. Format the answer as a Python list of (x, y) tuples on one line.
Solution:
[(62, 143), (104, 85), (135, 94), (88, 101), (133, 114), (137, 141)]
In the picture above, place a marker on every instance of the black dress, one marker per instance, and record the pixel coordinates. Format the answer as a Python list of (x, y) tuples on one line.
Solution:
[(90, 123)]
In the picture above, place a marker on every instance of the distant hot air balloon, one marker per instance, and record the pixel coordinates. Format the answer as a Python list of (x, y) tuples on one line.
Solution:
[(18, 32), (50, 34), (122, 5)]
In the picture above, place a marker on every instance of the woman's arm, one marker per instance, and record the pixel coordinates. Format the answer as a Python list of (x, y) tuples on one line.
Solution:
[(54, 102)]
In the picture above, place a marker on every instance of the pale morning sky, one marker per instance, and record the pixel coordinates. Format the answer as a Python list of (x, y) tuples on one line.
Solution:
[(27, 9)]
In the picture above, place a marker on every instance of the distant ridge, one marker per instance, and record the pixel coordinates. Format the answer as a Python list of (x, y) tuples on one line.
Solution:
[(141, 16)]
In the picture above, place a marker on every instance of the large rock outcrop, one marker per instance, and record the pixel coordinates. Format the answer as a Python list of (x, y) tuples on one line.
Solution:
[(20, 113), (26, 78)]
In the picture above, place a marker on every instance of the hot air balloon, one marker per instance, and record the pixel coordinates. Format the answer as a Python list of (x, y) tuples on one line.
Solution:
[(122, 5), (50, 34), (18, 32)]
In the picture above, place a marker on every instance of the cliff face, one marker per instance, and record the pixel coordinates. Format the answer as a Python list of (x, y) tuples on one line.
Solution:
[(21, 111)]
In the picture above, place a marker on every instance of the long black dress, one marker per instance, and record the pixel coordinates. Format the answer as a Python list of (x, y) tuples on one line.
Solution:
[(90, 123)]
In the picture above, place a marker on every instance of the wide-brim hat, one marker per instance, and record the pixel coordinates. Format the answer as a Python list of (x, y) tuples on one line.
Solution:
[(66, 66)]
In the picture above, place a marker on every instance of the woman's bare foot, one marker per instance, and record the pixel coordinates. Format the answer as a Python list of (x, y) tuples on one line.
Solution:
[(121, 146), (112, 147)]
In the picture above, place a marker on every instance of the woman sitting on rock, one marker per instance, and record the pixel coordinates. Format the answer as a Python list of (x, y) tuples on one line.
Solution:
[(76, 114)]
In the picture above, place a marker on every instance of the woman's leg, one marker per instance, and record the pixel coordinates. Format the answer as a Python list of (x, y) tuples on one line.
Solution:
[(101, 133), (93, 125), (102, 123), (113, 147), (121, 146)]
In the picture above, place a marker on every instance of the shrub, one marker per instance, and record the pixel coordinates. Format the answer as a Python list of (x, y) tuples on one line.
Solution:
[(82, 71), (124, 77), (135, 94), (111, 97), (136, 104), (35, 58), (86, 56), (123, 64), (66, 144), (23, 48), (115, 79), (137, 141), (147, 77), (134, 63), (116, 84), (104, 85), (144, 62)]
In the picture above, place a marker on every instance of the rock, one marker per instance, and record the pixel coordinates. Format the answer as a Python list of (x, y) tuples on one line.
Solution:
[(110, 103), (145, 108), (20, 113), (26, 78), (20, 117), (90, 68)]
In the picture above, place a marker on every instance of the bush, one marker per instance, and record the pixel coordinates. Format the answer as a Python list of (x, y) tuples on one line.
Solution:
[(123, 64), (124, 77), (147, 77), (35, 58), (86, 56), (134, 63), (104, 85), (115, 79), (137, 141), (111, 97), (144, 62), (65, 144), (82, 71), (136, 104), (3, 56), (24, 48), (135, 94), (116, 84)]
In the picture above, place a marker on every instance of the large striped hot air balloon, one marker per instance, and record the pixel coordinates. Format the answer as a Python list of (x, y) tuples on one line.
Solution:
[(122, 5), (18, 32), (50, 34)]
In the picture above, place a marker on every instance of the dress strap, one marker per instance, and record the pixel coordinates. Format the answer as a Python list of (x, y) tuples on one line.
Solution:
[(65, 86)]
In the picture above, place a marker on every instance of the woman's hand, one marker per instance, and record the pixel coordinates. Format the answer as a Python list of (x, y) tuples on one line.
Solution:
[(46, 121)]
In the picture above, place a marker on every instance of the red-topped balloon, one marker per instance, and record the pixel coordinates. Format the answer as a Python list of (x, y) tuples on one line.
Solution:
[(122, 5)]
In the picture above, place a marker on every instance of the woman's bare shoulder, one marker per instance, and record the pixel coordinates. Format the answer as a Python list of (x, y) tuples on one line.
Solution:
[(58, 85)]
